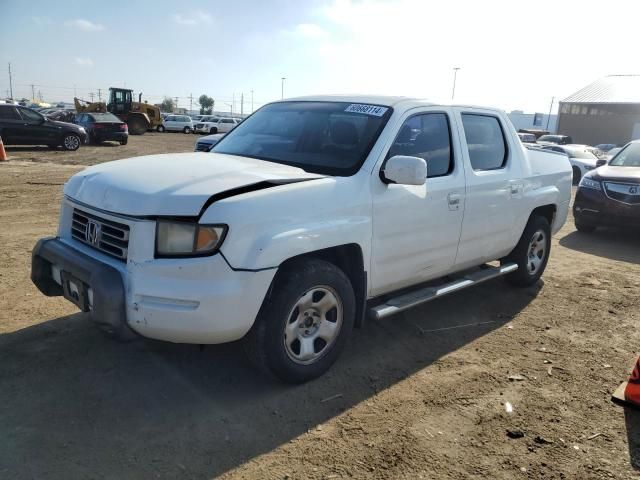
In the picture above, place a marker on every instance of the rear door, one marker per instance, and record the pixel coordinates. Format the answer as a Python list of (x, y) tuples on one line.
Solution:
[(494, 186), (11, 125), (416, 228)]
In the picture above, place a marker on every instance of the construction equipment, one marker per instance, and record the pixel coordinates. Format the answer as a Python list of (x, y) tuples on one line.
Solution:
[(138, 116)]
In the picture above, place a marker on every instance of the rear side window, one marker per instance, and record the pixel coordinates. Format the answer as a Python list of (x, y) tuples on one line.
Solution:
[(426, 136), (485, 141), (8, 113)]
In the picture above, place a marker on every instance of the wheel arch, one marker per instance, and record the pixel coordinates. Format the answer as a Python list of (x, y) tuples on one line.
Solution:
[(547, 211), (350, 259)]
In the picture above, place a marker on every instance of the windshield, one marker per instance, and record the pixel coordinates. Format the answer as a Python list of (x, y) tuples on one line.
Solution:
[(331, 138), (105, 117), (581, 154), (629, 156)]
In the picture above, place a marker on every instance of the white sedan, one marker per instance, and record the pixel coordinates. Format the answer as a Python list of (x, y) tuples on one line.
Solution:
[(581, 158)]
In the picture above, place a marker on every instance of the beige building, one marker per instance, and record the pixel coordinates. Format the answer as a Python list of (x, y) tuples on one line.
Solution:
[(606, 111)]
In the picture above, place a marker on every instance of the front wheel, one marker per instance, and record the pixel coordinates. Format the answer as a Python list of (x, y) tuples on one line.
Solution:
[(160, 128), (71, 142), (187, 130), (531, 253), (137, 125), (303, 325), (213, 130), (577, 175)]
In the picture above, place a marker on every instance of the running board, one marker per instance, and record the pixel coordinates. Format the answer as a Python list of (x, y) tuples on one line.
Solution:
[(408, 300)]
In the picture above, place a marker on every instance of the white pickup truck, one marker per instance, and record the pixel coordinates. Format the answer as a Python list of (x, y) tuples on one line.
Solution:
[(312, 215)]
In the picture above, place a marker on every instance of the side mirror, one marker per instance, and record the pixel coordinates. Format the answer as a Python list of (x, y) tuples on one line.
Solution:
[(405, 170), (600, 162)]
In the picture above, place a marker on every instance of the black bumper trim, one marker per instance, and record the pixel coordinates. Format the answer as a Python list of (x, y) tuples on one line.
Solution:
[(106, 282)]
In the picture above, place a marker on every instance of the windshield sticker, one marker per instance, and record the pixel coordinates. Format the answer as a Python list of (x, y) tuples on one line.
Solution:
[(373, 110)]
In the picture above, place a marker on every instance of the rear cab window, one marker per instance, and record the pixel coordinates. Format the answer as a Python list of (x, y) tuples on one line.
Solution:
[(486, 141), (8, 113)]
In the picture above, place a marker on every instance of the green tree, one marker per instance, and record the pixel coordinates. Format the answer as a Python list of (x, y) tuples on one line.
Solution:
[(206, 105), (167, 105)]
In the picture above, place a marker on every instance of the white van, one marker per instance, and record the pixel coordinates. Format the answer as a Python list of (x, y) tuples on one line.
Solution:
[(177, 123)]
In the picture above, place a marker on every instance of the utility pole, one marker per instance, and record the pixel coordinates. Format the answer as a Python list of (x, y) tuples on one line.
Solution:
[(91, 94), (233, 103), (455, 75), (10, 82), (190, 102), (175, 107), (251, 101), (282, 87), (33, 92), (549, 116), (99, 94), (242, 104)]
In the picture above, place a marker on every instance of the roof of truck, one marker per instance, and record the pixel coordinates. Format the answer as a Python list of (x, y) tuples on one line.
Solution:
[(383, 100)]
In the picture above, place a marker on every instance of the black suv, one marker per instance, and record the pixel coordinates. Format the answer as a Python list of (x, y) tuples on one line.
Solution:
[(24, 126)]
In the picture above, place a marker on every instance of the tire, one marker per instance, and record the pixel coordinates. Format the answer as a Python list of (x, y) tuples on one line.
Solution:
[(577, 175), (160, 128), (186, 129), (137, 125), (124, 142), (535, 243), (213, 130), (582, 228), (313, 301), (71, 142)]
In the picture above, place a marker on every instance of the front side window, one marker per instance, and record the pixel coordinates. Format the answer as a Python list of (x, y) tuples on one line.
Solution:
[(331, 138), (426, 136), (629, 156), (30, 115), (485, 141)]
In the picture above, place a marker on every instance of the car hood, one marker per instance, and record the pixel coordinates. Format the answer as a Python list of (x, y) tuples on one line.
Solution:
[(59, 124), (621, 174), (175, 184)]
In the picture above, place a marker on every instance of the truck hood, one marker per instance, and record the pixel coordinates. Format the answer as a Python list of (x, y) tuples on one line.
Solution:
[(174, 184)]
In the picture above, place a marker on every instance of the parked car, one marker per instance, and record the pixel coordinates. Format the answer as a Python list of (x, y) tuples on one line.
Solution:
[(222, 125), (309, 216), (206, 124), (24, 126), (176, 123), (204, 144), (605, 147), (102, 127), (581, 157), (610, 195), (555, 140), (527, 137)]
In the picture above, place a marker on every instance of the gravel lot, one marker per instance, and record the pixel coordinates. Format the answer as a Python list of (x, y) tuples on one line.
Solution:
[(421, 395)]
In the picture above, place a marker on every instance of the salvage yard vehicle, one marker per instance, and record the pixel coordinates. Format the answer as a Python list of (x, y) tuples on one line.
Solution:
[(24, 126), (204, 144), (555, 140), (216, 125), (310, 216), (581, 158), (177, 123), (206, 124), (610, 195), (102, 127)]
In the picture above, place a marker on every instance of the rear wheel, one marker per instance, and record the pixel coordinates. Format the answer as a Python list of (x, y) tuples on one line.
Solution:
[(577, 175), (531, 253), (124, 142), (160, 128), (71, 142), (137, 125), (304, 324), (186, 129)]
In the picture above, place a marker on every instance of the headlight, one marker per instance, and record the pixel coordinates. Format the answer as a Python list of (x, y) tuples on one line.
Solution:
[(586, 182), (184, 239)]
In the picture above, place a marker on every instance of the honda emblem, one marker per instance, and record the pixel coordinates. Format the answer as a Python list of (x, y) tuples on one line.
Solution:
[(93, 232)]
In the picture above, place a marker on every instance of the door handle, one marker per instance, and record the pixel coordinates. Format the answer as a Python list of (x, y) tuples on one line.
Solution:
[(454, 201)]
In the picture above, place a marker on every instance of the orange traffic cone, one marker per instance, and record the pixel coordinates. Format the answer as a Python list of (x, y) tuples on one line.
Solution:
[(629, 392), (3, 154)]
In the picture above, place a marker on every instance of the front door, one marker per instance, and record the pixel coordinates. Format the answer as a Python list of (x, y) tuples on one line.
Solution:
[(37, 130), (416, 228)]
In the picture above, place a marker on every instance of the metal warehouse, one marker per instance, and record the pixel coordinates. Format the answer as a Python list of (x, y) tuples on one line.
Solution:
[(606, 111)]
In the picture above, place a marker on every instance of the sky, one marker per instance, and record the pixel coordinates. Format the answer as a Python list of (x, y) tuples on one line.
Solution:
[(511, 54)]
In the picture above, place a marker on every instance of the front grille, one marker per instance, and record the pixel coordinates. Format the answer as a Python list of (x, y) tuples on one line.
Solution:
[(105, 235), (628, 193), (203, 147)]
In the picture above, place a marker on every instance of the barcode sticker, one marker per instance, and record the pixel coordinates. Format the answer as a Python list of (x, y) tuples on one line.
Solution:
[(374, 110)]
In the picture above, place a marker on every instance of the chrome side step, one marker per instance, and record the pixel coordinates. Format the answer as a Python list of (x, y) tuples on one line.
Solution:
[(408, 300)]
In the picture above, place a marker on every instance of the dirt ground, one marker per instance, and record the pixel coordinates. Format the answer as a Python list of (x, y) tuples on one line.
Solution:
[(421, 395)]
